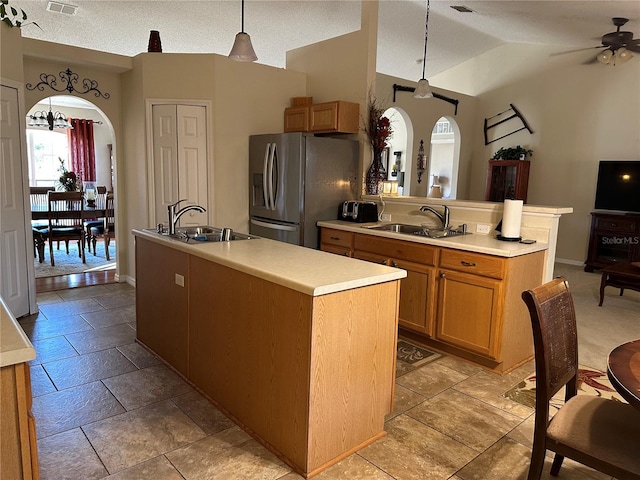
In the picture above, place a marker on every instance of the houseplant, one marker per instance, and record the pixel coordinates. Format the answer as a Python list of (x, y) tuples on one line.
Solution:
[(68, 181), (378, 131), (512, 153)]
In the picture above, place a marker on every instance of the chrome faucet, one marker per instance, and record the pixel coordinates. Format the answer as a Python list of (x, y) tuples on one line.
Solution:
[(174, 215), (443, 217)]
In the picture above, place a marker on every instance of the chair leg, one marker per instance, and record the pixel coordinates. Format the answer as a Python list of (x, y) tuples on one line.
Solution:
[(81, 248), (537, 462), (557, 463), (107, 240), (53, 264), (94, 240), (66, 244)]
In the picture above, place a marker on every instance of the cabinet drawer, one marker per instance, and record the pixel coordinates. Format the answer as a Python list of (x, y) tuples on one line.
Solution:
[(398, 249), (336, 250), (619, 225), (476, 263), (339, 238)]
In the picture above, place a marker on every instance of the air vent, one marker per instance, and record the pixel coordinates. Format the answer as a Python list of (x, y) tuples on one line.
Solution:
[(64, 8), (462, 8)]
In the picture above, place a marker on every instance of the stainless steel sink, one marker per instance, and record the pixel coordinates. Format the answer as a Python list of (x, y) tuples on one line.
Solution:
[(205, 234), (419, 230)]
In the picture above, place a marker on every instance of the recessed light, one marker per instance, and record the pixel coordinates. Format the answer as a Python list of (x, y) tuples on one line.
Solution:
[(461, 8), (64, 8)]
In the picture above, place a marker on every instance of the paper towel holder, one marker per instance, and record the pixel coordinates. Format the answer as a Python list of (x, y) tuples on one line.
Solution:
[(505, 239)]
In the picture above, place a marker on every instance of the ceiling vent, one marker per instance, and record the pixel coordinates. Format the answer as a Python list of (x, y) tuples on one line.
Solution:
[(461, 8), (61, 8)]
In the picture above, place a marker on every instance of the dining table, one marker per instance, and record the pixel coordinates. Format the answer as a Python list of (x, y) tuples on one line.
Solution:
[(40, 213), (623, 370)]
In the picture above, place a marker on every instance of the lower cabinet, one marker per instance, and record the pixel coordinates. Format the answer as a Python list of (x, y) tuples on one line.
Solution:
[(162, 308), (18, 446)]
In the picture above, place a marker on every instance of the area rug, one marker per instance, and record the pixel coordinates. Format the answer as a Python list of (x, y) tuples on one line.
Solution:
[(590, 382), (411, 357), (72, 263)]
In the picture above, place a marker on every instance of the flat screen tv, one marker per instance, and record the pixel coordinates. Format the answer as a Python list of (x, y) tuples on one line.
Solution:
[(618, 186)]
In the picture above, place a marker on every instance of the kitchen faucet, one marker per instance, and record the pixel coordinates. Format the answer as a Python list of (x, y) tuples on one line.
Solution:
[(443, 217), (174, 215)]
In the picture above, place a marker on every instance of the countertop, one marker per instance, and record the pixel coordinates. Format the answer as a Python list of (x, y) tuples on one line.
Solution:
[(309, 271), (15, 347), (473, 242)]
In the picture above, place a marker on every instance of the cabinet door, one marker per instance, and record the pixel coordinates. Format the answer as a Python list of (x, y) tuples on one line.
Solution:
[(161, 302), (296, 119), (417, 296), (468, 312)]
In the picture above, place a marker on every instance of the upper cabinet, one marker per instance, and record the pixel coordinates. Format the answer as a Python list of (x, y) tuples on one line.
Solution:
[(329, 117)]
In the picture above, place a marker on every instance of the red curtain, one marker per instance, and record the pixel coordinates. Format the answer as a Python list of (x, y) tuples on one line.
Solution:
[(81, 149)]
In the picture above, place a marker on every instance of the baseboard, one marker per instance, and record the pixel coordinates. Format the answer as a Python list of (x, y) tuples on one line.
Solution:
[(130, 280), (569, 262)]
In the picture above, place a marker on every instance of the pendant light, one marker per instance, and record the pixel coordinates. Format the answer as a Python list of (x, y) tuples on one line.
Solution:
[(49, 119), (242, 50), (424, 90)]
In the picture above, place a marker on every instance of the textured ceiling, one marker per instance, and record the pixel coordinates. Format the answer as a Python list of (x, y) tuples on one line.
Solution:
[(275, 26)]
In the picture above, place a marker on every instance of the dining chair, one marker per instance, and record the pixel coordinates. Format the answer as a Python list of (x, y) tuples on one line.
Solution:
[(108, 228), (38, 197), (65, 211), (101, 199), (601, 433)]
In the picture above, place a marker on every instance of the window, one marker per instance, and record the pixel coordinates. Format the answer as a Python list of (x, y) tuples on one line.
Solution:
[(44, 148), (442, 127)]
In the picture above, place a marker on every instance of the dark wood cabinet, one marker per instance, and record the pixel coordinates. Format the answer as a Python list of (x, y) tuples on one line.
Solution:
[(507, 179), (614, 238)]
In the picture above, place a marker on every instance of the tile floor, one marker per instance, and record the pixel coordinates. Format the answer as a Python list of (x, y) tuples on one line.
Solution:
[(107, 408)]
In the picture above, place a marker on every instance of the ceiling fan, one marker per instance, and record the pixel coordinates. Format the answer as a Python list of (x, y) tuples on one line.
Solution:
[(618, 45)]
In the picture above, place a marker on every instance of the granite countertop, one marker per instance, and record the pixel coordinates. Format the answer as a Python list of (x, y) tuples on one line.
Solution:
[(15, 347), (306, 270), (474, 242)]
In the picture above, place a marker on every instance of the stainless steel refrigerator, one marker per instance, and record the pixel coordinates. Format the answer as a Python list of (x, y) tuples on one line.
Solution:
[(296, 180)]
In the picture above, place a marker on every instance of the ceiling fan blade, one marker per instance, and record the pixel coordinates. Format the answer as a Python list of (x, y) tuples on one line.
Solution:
[(634, 47), (577, 50), (591, 61)]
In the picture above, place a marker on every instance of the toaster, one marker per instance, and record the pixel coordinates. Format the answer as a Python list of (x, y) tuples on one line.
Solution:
[(361, 212)]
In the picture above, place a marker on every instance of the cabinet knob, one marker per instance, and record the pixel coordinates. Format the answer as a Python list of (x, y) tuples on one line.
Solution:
[(394, 264), (334, 238), (442, 275), (467, 264)]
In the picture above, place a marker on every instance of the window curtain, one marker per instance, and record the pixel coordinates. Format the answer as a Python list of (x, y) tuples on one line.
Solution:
[(82, 149)]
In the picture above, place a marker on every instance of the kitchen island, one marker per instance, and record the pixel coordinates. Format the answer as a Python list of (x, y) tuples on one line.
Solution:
[(297, 346)]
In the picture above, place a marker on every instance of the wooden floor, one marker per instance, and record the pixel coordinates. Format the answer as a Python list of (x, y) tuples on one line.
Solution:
[(74, 280)]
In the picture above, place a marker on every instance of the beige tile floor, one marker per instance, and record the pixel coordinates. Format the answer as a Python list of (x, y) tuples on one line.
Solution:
[(107, 408)]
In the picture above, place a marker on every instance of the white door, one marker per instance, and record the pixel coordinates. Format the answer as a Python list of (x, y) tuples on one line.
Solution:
[(180, 160), (14, 286)]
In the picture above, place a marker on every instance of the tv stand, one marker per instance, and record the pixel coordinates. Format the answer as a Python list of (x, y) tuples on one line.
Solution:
[(614, 238)]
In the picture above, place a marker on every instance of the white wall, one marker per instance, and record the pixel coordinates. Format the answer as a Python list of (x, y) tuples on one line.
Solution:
[(579, 113)]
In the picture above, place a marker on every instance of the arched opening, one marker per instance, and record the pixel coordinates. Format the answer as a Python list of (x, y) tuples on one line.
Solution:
[(444, 159), (45, 149), (400, 150)]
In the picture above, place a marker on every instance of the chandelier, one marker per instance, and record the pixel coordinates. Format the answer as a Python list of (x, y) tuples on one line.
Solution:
[(49, 119)]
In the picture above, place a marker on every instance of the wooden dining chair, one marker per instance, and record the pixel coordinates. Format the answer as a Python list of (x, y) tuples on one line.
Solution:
[(65, 221), (101, 200), (108, 228), (601, 433), (38, 197)]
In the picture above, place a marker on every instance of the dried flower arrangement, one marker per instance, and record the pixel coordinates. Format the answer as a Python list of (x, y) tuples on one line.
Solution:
[(68, 181)]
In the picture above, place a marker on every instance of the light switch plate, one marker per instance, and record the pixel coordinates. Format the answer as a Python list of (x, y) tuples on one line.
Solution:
[(179, 280), (483, 228)]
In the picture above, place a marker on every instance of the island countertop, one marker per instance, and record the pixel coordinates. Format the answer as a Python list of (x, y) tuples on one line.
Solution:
[(302, 269), (474, 242), (15, 347)]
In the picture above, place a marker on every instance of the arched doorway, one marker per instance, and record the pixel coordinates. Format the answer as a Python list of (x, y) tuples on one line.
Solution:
[(400, 150), (444, 158), (45, 147)]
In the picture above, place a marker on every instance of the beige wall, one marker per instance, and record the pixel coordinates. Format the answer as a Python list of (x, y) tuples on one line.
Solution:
[(580, 114), (10, 53)]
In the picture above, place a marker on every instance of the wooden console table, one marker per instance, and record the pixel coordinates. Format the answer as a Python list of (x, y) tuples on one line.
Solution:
[(614, 238)]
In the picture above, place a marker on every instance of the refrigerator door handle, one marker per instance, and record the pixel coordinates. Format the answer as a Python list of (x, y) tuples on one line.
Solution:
[(265, 163), (272, 193), (274, 226)]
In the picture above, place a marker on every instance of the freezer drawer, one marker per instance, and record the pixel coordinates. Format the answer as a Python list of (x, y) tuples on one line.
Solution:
[(288, 233)]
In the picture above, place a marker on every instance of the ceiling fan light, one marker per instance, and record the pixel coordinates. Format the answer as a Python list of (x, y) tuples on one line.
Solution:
[(622, 55), (242, 50), (423, 90), (605, 56)]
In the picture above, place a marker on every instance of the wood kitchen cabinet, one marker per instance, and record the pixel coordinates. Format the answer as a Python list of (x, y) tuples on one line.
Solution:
[(18, 447), (336, 241), (162, 308), (329, 117)]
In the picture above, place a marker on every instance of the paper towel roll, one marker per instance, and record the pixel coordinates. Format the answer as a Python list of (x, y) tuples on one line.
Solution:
[(511, 218)]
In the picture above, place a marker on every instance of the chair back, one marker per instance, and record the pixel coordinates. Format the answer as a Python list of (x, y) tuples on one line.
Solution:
[(555, 339), (65, 209), (109, 218), (101, 197), (38, 197)]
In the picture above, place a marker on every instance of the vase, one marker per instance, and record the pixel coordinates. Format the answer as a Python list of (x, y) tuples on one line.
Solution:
[(155, 45), (375, 175)]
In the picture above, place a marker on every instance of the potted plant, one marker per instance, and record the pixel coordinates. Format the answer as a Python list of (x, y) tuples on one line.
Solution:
[(512, 153), (68, 181)]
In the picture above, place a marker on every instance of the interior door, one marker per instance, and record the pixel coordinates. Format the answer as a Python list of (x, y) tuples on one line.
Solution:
[(14, 285), (180, 160)]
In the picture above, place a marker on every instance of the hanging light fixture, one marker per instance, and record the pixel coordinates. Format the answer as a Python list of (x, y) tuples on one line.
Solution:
[(49, 119), (242, 50), (424, 90), (614, 57)]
